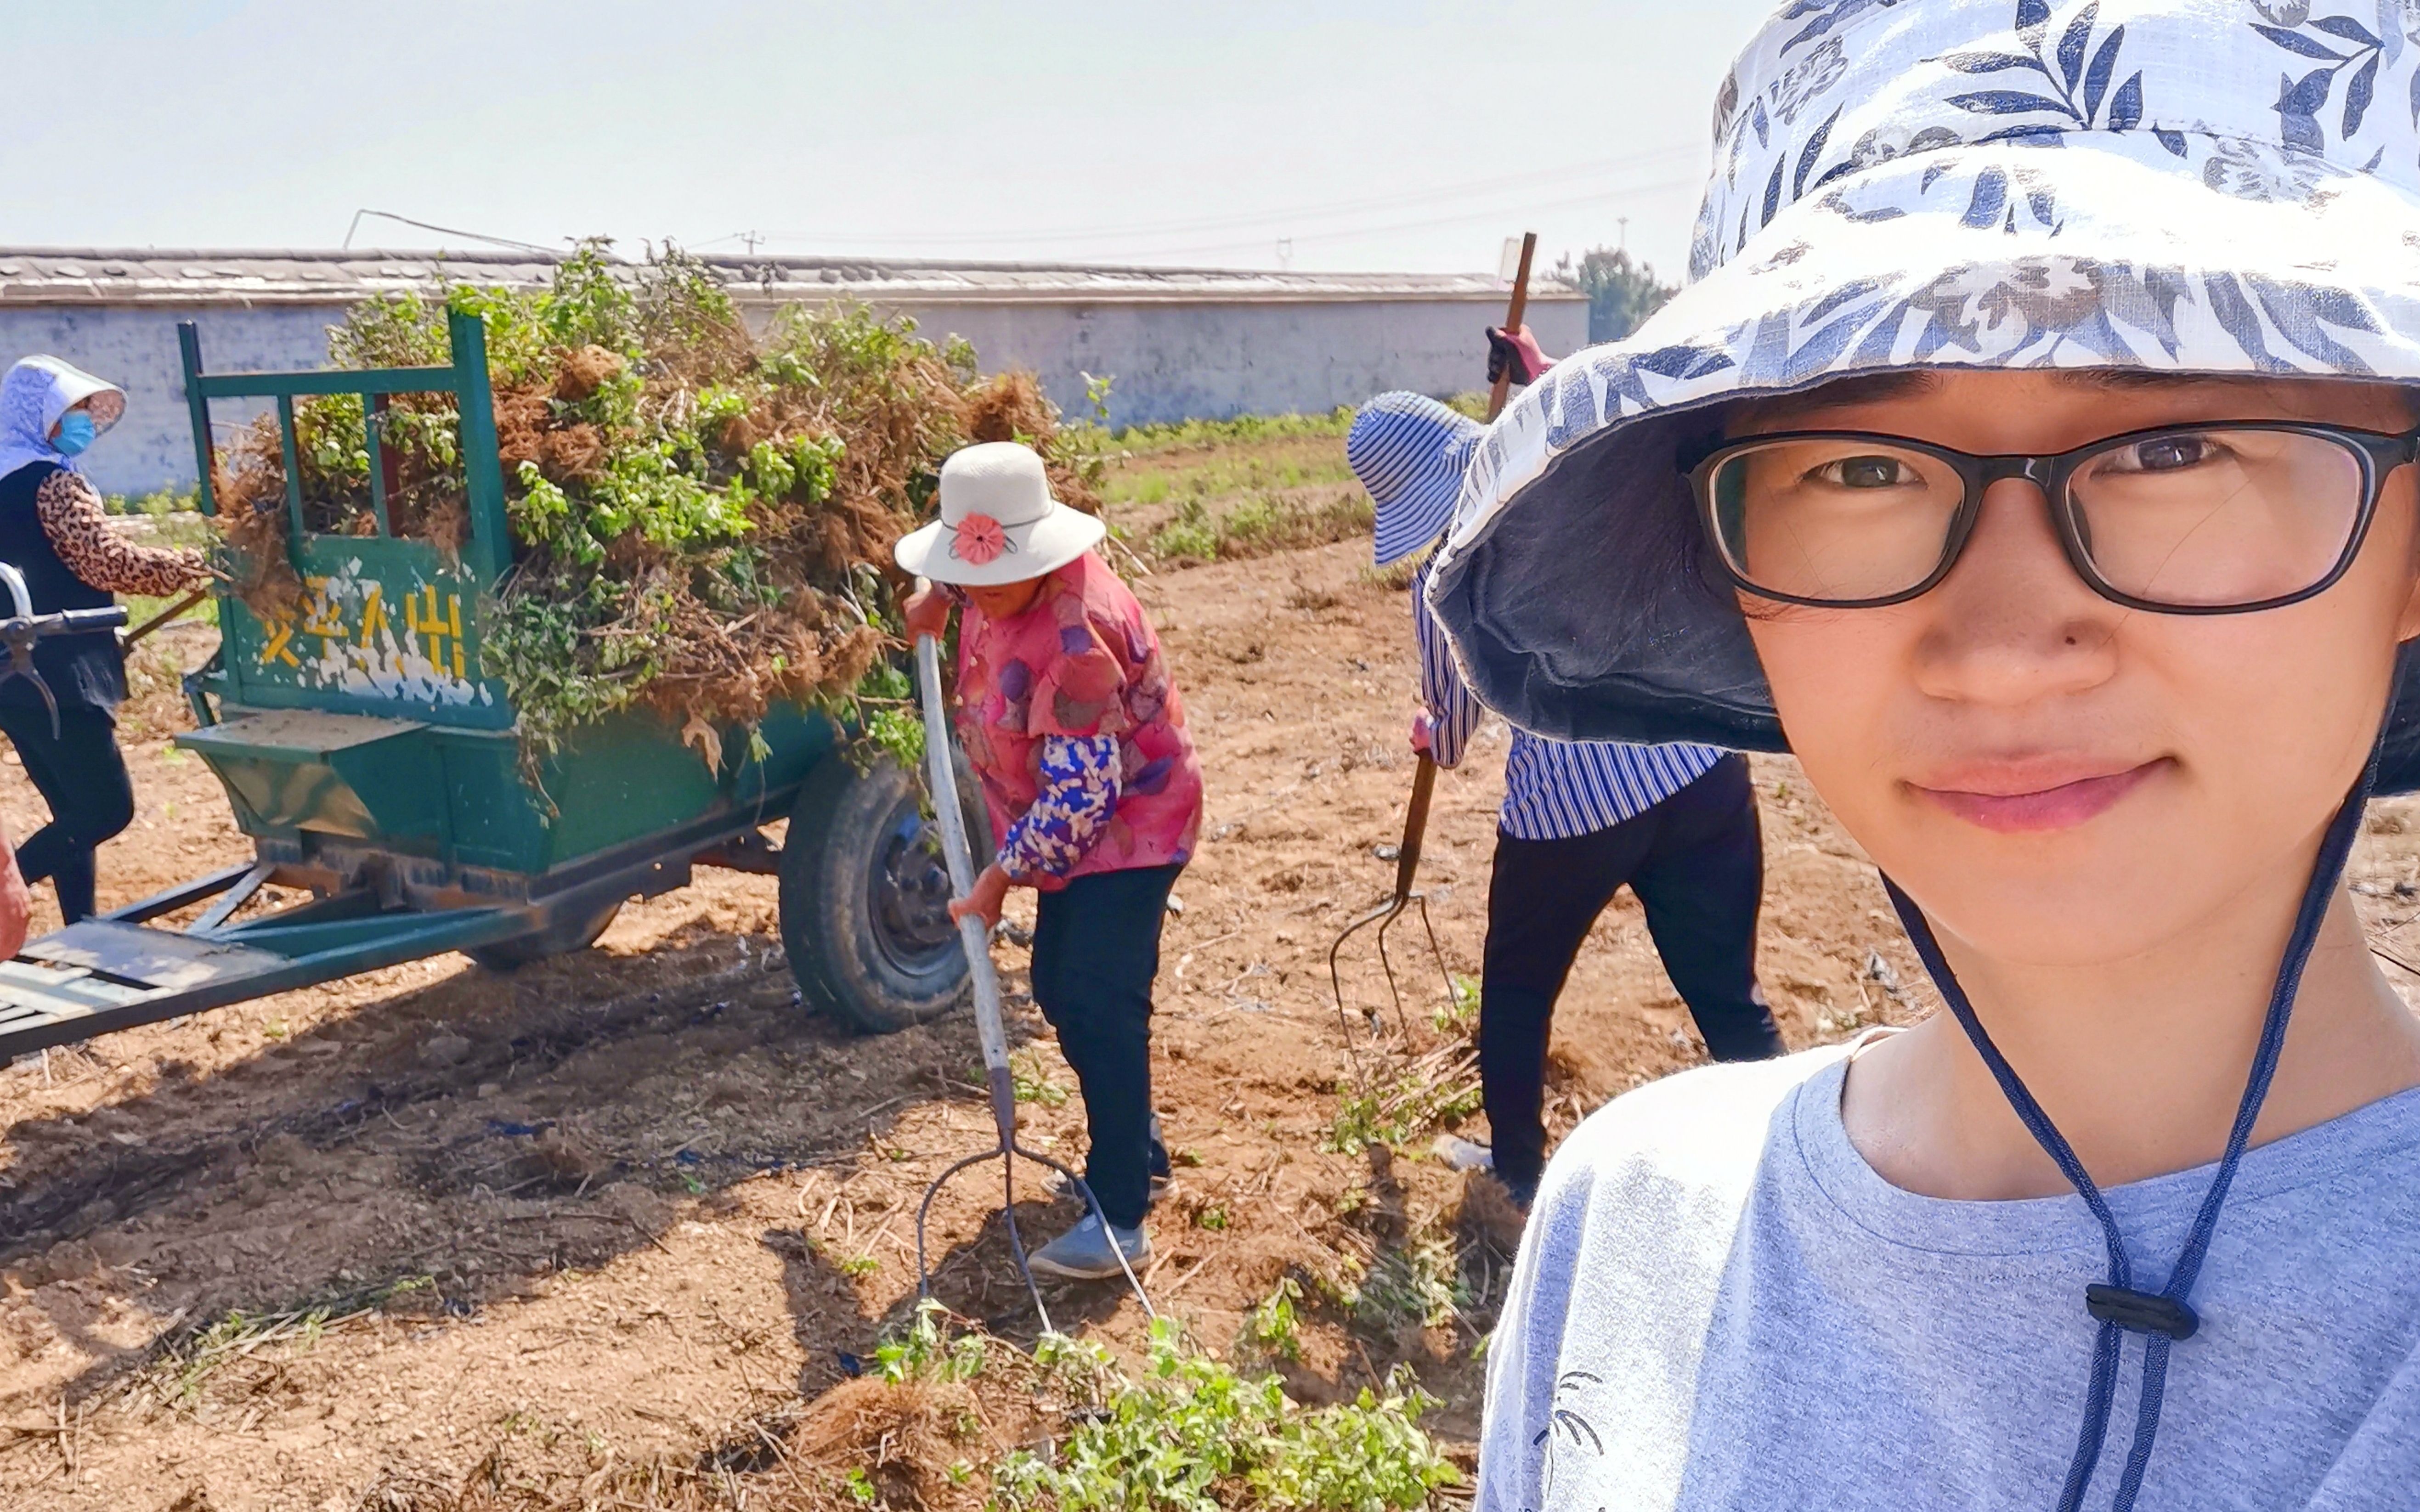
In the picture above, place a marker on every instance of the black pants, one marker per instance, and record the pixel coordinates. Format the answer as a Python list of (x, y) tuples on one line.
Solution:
[(1696, 862), (83, 778), (1095, 953)]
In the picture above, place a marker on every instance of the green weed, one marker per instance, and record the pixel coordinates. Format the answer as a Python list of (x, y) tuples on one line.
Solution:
[(1274, 1327), (1414, 1285), (157, 503), (181, 1374), (1192, 1435), (1033, 1081), (1399, 1113), (1143, 440), (1185, 1433), (922, 1352), (1261, 524), (1462, 1012)]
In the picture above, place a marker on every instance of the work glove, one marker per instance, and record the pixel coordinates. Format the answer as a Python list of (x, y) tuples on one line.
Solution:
[(1516, 352)]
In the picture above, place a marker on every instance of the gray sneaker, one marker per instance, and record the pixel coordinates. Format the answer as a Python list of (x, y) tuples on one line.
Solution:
[(1083, 1252)]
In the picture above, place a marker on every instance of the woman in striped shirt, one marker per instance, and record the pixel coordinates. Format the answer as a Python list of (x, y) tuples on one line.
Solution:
[(1676, 824)]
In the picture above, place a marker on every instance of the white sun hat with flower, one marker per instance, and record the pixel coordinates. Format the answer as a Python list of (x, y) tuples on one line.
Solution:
[(2188, 186), (999, 522)]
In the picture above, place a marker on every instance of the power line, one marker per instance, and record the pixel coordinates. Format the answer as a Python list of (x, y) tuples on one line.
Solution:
[(441, 230)]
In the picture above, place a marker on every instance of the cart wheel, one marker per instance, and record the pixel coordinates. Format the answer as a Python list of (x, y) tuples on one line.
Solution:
[(561, 938), (865, 898)]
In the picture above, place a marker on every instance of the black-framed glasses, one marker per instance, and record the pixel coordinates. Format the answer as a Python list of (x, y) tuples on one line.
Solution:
[(2220, 518)]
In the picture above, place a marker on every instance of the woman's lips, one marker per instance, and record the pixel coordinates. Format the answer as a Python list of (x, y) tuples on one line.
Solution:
[(2057, 805)]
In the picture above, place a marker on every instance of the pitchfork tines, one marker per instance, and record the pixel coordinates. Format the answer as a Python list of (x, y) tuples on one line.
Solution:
[(1408, 865)]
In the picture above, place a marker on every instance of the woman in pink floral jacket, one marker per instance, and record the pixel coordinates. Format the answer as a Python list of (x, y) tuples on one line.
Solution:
[(1069, 719)]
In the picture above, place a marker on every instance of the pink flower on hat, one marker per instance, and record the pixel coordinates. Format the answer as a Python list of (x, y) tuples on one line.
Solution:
[(979, 541)]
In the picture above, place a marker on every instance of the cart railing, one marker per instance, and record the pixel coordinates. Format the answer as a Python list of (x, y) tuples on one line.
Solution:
[(488, 548), (387, 625)]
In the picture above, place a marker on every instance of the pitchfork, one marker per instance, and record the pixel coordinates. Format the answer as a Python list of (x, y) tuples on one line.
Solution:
[(1415, 816), (977, 940)]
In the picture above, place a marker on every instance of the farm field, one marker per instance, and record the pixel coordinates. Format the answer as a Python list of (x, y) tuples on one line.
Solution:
[(617, 1230)]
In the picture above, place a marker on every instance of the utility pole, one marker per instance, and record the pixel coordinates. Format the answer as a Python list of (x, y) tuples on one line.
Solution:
[(1623, 222), (1285, 254), (751, 239)]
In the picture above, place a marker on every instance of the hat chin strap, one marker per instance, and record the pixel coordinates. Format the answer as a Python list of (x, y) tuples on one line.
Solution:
[(2166, 1318)]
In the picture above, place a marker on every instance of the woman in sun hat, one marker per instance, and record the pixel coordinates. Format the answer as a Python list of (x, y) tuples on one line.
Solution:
[(54, 529), (2032, 457), (1071, 723), (1581, 820)]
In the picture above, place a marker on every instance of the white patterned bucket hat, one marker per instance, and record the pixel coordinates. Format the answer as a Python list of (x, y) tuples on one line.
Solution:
[(2202, 186)]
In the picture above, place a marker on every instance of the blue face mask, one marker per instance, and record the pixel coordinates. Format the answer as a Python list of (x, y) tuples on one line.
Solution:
[(76, 432)]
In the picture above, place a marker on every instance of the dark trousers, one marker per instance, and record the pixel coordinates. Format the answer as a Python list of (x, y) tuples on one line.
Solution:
[(1095, 952), (83, 778), (1696, 862)]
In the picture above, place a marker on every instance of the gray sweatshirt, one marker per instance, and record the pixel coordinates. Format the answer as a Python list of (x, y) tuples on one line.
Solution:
[(1719, 1304)]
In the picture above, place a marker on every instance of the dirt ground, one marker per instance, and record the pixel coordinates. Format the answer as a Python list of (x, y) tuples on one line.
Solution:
[(354, 1246)]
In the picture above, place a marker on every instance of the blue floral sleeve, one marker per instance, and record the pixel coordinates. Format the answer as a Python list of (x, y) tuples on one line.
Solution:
[(1079, 787)]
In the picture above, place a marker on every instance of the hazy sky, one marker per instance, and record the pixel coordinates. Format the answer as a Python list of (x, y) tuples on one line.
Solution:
[(1374, 134)]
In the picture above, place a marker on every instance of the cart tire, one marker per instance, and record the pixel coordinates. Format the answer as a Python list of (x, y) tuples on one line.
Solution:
[(864, 899), (561, 937)]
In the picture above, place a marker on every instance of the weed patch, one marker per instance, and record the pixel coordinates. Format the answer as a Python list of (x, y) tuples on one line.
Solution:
[(1439, 1091), (1187, 434), (184, 1371), (1188, 1434), (1261, 525)]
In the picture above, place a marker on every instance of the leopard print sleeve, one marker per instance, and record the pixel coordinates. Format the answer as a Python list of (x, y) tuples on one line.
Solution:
[(80, 532)]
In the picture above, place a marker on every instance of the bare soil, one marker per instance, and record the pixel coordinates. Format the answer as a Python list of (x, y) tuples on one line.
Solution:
[(586, 1226)]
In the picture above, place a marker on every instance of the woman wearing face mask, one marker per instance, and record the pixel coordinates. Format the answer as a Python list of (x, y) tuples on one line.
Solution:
[(53, 530)]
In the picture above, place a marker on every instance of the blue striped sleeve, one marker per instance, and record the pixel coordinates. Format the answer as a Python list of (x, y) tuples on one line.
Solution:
[(1452, 707)]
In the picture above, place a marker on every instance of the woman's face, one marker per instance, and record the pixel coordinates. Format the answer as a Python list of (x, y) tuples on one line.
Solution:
[(67, 416), (2056, 778), (1004, 600)]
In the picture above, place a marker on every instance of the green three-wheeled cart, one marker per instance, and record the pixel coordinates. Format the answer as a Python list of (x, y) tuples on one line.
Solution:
[(376, 766)]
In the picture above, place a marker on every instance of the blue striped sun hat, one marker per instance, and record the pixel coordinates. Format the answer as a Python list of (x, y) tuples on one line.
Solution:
[(1410, 454), (2203, 186)]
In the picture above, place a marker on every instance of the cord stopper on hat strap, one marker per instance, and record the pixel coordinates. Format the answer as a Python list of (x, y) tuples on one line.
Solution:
[(2142, 1312)]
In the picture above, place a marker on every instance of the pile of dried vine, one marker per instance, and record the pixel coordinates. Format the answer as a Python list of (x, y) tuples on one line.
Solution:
[(701, 519)]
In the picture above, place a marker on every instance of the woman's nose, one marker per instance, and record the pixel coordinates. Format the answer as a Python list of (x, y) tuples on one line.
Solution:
[(2014, 622)]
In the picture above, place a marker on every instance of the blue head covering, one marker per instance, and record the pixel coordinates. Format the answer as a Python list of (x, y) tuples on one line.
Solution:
[(1410, 452), (33, 397)]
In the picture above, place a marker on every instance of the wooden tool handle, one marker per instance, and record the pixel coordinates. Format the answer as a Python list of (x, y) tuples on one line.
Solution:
[(161, 618), (1520, 307), (1416, 826)]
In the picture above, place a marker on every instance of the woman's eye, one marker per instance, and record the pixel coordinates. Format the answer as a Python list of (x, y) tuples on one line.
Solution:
[(2165, 454), (1864, 473)]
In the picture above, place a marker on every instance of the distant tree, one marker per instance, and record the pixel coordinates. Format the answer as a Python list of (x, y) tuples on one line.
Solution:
[(1621, 293)]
